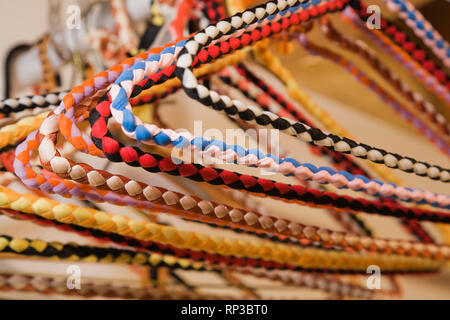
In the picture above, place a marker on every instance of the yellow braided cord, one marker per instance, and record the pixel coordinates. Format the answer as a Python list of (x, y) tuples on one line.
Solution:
[(13, 133), (259, 249)]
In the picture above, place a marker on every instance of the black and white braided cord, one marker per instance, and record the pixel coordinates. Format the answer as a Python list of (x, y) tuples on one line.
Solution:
[(43, 101)]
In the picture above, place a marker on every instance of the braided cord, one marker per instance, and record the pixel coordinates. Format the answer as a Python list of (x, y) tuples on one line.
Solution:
[(51, 285), (177, 203), (12, 134), (58, 170), (58, 285), (70, 114), (211, 259), (401, 40), (200, 210), (350, 222), (359, 47), (295, 92), (413, 226), (52, 183), (220, 150), (73, 252), (15, 105), (251, 204), (340, 160), (65, 113), (94, 88), (421, 71), (422, 28), (133, 156), (122, 112), (305, 133), (401, 109), (159, 248), (49, 81), (323, 175), (162, 90), (148, 231), (156, 58)]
